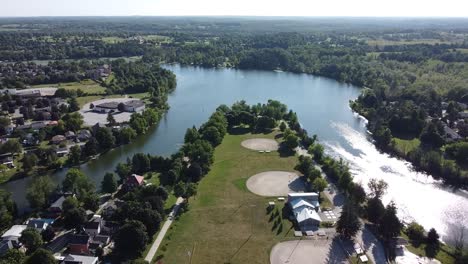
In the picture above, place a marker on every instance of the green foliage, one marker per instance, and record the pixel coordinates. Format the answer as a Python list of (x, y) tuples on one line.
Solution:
[(109, 183), (348, 224), (105, 138), (131, 239), (31, 239), (41, 256), (73, 121), (29, 162), (13, 256), (7, 210), (11, 146), (319, 184), (74, 218), (78, 183), (75, 155), (39, 191), (375, 210), (390, 226), (377, 188), (415, 232)]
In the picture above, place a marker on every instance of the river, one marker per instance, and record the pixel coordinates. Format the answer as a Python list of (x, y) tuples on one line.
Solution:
[(322, 107)]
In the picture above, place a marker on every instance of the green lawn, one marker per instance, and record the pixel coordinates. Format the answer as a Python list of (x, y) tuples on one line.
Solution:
[(87, 86), (226, 223), (404, 146), (444, 255)]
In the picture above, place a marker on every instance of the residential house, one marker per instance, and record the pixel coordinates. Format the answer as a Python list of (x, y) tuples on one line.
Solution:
[(111, 207), (133, 181), (5, 245), (62, 152), (450, 134), (8, 161), (305, 207), (56, 207), (39, 224), (58, 139), (84, 135), (79, 244), (70, 135), (14, 233), (79, 259), (93, 227), (38, 125)]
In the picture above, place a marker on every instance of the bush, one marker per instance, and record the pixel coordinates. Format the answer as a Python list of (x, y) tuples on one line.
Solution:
[(415, 232)]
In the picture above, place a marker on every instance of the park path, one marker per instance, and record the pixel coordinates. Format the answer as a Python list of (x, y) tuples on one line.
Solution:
[(162, 232)]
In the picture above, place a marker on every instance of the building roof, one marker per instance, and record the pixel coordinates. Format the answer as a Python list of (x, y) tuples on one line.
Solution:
[(79, 259), (92, 225), (58, 138), (139, 179), (38, 223), (305, 213), (5, 245), (14, 231), (296, 203), (69, 134), (134, 103), (37, 91), (451, 133), (58, 203), (79, 240), (108, 105)]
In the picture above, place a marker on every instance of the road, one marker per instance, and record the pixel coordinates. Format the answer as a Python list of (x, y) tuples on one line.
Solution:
[(163, 231)]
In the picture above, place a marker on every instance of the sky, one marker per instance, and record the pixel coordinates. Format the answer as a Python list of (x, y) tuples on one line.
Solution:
[(356, 8)]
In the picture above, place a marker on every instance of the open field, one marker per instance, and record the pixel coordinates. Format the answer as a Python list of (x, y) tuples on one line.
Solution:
[(275, 183), (404, 146), (260, 144), (225, 222), (384, 42), (87, 86), (308, 252)]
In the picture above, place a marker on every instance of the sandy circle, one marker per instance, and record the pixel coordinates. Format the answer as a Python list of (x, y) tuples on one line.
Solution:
[(307, 252), (275, 183), (260, 144)]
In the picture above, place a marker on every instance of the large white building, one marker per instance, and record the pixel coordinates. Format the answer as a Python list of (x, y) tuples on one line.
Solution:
[(305, 207)]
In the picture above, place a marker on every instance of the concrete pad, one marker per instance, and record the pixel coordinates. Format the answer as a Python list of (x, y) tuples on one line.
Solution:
[(263, 144), (275, 183), (307, 252)]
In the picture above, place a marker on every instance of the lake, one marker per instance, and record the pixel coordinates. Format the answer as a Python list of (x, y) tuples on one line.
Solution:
[(322, 107)]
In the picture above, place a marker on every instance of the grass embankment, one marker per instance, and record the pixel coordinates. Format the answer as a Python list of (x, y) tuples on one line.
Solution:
[(444, 255), (404, 146), (226, 223), (87, 86)]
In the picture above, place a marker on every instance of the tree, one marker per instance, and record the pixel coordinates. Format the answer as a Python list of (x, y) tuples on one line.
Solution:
[(191, 190), (70, 203), (7, 210), (39, 192), (179, 189), (348, 224), (31, 238), (41, 256), (29, 162), (73, 104), (48, 234), (140, 163), (432, 237), (11, 146), (75, 155), (121, 107), (111, 119), (123, 170), (191, 135), (76, 182), (377, 188), (131, 239), (194, 172), (90, 148), (317, 151), (13, 256), (74, 218), (126, 135), (291, 141), (415, 232), (320, 184), (73, 121), (375, 210), (109, 183), (390, 226), (358, 194), (282, 126), (212, 135), (105, 138)]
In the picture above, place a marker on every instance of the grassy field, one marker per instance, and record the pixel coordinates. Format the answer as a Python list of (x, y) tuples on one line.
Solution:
[(404, 146), (444, 255), (87, 86), (226, 223)]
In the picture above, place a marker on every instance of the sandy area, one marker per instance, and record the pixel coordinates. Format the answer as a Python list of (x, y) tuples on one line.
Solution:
[(260, 144), (275, 183), (307, 252), (90, 118)]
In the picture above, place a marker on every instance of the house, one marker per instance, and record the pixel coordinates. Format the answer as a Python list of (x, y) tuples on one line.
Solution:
[(8, 161), (62, 152), (450, 134), (14, 233), (305, 207), (56, 207), (93, 227), (83, 135), (133, 181), (38, 125), (134, 106), (111, 207), (58, 139), (106, 107), (5, 245), (30, 140), (39, 224), (79, 259), (79, 244), (70, 135)]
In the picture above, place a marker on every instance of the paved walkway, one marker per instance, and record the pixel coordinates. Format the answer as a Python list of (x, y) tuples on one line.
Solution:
[(163, 231)]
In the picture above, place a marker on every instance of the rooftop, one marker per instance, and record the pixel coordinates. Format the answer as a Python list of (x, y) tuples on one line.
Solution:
[(14, 231), (108, 105)]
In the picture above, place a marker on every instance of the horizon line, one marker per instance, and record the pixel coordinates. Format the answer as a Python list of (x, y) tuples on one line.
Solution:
[(241, 16)]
